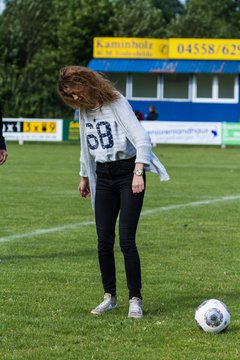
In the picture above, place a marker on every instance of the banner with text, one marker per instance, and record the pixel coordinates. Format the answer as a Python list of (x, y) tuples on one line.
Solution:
[(174, 132), (231, 134), (160, 132), (130, 48), (71, 130), (32, 129), (204, 49), (146, 48)]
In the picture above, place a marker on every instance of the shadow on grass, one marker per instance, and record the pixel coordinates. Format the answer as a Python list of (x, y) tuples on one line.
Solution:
[(188, 302), (87, 253)]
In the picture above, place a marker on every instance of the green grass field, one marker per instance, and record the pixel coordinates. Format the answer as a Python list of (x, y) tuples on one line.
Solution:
[(50, 281)]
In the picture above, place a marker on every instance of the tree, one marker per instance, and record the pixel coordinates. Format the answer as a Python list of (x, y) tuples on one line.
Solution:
[(170, 9), (37, 38), (23, 33), (208, 19), (78, 22), (138, 18)]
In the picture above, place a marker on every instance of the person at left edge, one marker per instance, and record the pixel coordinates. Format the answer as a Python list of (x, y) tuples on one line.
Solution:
[(3, 150)]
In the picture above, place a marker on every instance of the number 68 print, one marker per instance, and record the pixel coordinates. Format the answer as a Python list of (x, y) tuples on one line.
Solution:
[(104, 138)]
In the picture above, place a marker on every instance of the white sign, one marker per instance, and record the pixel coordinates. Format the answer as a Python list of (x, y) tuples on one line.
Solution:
[(32, 129), (178, 132)]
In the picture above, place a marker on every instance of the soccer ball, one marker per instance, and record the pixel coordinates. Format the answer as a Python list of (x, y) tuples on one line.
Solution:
[(212, 316)]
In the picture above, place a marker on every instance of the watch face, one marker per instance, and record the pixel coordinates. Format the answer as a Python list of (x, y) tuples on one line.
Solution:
[(139, 172)]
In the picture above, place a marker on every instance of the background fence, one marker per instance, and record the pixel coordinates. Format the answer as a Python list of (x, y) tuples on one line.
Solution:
[(161, 132)]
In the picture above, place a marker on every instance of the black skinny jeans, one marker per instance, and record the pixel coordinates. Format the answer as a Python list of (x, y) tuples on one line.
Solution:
[(113, 195)]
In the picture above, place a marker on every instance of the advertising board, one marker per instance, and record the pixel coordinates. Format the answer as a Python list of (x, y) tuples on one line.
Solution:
[(32, 129), (176, 132)]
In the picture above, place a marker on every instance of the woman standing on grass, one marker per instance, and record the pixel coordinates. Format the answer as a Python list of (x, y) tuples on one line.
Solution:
[(115, 152)]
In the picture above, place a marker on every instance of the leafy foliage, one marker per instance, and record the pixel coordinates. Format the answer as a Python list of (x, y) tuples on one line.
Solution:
[(169, 8), (139, 18), (209, 19), (43, 37)]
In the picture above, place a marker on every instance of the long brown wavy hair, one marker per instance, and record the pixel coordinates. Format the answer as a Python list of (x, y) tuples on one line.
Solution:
[(90, 88)]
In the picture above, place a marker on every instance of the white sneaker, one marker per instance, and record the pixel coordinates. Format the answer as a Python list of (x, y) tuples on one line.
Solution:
[(135, 308), (109, 303)]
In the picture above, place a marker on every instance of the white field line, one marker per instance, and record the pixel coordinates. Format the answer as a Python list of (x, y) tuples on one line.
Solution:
[(189, 205), (144, 213), (45, 231), (205, 166)]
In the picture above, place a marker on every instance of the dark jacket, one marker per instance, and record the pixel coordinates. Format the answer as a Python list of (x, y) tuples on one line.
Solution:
[(2, 141), (152, 115)]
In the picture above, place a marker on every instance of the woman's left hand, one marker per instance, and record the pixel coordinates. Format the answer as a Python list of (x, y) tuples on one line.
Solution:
[(137, 184)]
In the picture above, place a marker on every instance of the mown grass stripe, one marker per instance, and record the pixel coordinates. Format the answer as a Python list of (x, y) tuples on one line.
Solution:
[(144, 213)]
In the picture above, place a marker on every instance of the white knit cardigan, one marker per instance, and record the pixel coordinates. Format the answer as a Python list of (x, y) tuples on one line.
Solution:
[(136, 134)]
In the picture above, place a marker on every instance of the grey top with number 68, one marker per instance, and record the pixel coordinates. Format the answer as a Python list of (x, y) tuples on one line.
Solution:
[(97, 140), (105, 138)]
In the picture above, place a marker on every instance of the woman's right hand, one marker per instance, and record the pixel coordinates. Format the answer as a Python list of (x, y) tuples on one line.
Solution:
[(83, 187)]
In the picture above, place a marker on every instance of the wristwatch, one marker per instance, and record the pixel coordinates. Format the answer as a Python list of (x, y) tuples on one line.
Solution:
[(138, 172)]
